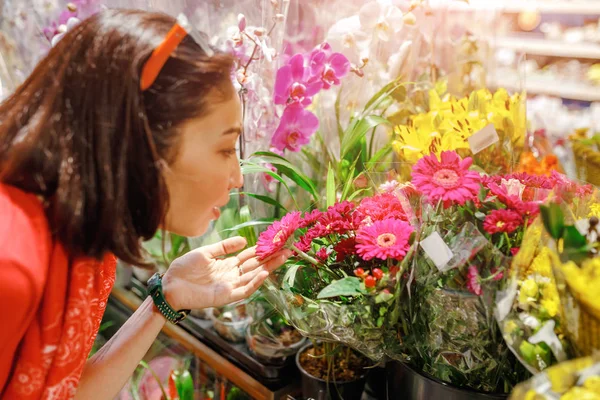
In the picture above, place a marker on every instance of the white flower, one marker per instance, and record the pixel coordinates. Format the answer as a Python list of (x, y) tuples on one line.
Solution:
[(63, 29), (382, 17)]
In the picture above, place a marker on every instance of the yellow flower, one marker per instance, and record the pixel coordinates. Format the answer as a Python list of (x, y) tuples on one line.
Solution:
[(530, 288), (411, 145), (510, 326), (594, 210), (578, 393), (585, 281), (593, 383)]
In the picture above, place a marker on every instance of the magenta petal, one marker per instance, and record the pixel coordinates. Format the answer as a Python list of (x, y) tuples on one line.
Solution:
[(310, 123), (317, 63), (297, 67), (283, 81), (340, 64), (313, 87)]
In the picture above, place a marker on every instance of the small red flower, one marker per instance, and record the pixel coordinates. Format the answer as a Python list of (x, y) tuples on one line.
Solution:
[(359, 272), (502, 221)]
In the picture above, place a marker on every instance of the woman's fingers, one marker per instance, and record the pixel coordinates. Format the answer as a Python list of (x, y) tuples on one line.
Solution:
[(252, 280), (272, 263), (224, 247)]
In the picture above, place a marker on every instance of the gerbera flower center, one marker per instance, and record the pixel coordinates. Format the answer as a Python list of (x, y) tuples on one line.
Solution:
[(277, 237), (446, 178), (386, 240), (500, 224)]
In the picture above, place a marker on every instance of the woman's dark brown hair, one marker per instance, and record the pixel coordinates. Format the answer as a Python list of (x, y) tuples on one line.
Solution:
[(81, 134)]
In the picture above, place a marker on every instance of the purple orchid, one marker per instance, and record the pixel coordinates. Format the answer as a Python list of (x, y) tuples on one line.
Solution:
[(295, 128), (328, 67), (291, 83)]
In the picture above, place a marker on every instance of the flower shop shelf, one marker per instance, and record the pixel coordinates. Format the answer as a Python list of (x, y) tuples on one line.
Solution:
[(550, 48), (223, 357), (547, 85), (573, 7)]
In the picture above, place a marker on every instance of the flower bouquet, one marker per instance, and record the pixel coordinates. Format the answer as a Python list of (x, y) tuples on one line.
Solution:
[(577, 379), (470, 225), (340, 284)]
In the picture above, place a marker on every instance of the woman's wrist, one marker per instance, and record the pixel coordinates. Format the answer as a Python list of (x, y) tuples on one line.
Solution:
[(169, 292)]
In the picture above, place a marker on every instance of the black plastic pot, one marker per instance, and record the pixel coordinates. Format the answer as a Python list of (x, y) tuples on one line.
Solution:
[(319, 389), (405, 383)]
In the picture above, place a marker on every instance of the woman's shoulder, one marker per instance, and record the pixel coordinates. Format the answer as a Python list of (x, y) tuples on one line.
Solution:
[(25, 238)]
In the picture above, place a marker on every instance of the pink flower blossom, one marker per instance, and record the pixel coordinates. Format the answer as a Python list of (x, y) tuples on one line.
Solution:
[(448, 179), (473, 283), (291, 83), (322, 254), (276, 236), (497, 275), (384, 239), (381, 206), (502, 221), (528, 210), (295, 128), (389, 186), (326, 67), (514, 251)]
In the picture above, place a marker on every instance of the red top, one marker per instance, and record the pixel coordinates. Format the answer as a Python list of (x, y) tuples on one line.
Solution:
[(50, 304)]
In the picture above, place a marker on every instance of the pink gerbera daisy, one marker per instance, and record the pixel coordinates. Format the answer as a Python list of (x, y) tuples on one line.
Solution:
[(502, 221), (473, 283), (382, 206), (447, 179), (384, 239), (276, 236)]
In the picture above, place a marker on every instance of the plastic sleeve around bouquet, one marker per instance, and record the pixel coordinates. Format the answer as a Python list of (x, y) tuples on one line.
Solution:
[(529, 310), (353, 324), (446, 325), (570, 380)]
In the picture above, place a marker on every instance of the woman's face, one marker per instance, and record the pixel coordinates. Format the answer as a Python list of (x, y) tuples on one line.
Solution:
[(205, 169)]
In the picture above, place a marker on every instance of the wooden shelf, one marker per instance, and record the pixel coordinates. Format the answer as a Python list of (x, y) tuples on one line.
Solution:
[(549, 48)]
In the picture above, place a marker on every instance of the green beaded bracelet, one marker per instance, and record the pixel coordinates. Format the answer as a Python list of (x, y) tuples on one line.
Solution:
[(155, 291)]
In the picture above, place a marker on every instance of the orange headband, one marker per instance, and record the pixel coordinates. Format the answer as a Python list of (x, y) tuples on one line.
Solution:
[(163, 51)]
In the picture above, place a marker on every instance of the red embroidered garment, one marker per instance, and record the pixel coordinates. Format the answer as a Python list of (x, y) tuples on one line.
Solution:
[(50, 306)]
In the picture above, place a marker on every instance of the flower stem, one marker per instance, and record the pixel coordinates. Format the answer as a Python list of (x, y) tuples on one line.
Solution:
[(507, 241), (303, 255)]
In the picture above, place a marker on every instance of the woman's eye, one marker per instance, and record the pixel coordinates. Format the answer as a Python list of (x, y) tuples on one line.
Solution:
[(230, 152)]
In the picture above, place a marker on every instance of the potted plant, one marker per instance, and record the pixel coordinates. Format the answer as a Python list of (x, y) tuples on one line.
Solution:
[(331, 371)]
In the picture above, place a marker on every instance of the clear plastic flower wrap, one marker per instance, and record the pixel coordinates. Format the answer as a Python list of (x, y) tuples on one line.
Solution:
[(340, 284), (577, 379)]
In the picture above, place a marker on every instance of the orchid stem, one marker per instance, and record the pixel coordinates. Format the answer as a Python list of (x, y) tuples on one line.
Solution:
[(303, 255)]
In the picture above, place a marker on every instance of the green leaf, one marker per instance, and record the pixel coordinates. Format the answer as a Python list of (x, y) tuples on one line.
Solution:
[(357, 131), (479, 215), (573, 239), (554, 220), (290, 274), (383, 93), (260, 222), (349, 181), (289, 170), (381, 153), (355, 194), (349, 286), (330, 187), (247, 232), (249, 167), (264, 199)]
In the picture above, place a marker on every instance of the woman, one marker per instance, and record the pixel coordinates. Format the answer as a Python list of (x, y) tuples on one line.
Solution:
[(92, 163)]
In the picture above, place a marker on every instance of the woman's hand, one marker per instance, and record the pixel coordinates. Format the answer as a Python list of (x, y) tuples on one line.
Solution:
[(202, 278)]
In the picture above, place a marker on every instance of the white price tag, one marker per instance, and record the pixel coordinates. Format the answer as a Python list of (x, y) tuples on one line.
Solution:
[(483, 139), (436, 249)]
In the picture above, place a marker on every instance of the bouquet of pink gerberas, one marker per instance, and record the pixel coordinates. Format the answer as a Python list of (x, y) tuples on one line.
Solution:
[(340, 284)]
